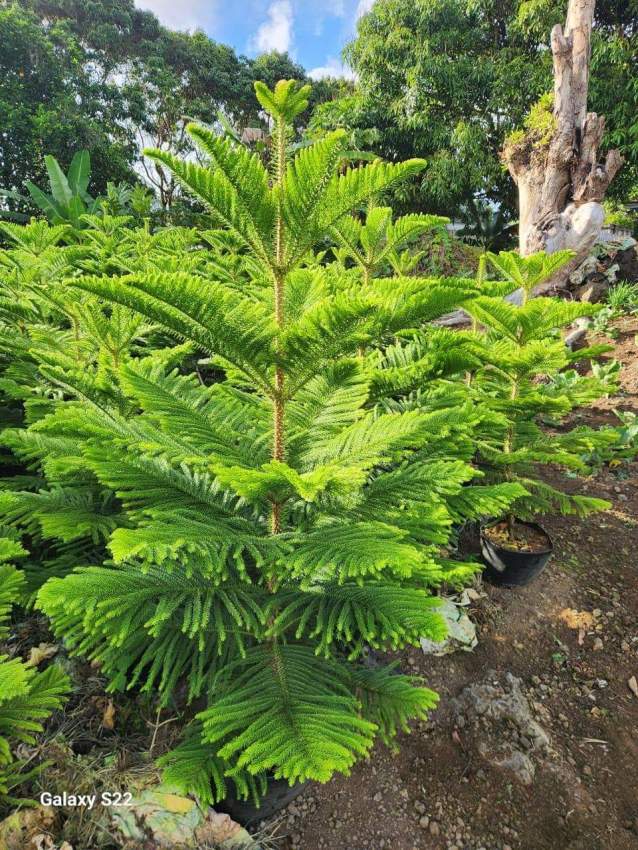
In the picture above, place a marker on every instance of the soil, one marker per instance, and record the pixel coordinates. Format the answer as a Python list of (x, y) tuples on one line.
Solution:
[(571, 639), (520, 538)]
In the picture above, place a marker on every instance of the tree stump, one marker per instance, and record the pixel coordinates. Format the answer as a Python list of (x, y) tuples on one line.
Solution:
[(561, 180)]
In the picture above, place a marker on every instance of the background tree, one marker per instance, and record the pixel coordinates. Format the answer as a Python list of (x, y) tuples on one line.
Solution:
[(556, 162), (447, 79), (43, 76), (450, 79), (122, 81)]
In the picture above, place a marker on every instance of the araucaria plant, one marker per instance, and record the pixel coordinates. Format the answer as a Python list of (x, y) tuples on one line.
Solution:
[(27, 697), (522, 376), (272, 522)]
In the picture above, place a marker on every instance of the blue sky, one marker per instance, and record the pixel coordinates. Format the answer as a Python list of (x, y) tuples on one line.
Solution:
[(312, 31)]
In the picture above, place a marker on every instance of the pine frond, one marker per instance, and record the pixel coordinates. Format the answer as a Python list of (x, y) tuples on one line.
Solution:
[(545, 498), (22, 714), (484, 501), (152, 626), (193, 767), (66, 513), (277, 481), (375, 614), (376, 439), (333, 328), (217, 420), (405, 302), (326, 405), (344, 552), (222, 197), (287, 712), (11, 588), (216, 319), (529, 272), (244, 173), (349, 190), (304, 183), (390, 700)]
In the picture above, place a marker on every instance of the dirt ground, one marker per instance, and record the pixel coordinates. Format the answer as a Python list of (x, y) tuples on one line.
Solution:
[(571, 638)]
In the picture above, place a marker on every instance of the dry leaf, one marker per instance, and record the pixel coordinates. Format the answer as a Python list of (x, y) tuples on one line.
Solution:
[(65, 846), (577, 620), (40, 653), (108, 717), (217, 829), (633, 686), (42, 842), (174, 803)]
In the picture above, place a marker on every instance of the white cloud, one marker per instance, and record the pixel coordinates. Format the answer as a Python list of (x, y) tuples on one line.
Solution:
[(276, 31), (363, 6), (336, 8), (185, 15), (332, 68)]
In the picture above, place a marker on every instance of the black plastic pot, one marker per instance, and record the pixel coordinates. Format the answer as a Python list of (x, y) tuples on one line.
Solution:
[(277, 797), (511, 567)]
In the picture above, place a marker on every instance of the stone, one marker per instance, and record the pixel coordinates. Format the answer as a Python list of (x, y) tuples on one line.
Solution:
[(594, 291), (461, 631), (512, 735), (520, 765), (434, 828)]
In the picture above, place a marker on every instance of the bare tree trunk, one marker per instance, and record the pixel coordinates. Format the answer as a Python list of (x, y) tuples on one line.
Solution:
[(560, 181)]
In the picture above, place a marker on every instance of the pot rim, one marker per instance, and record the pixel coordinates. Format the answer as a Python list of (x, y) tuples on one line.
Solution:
[(534, 525)]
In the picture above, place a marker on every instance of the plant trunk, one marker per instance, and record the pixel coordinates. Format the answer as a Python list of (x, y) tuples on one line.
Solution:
[(561, 182)]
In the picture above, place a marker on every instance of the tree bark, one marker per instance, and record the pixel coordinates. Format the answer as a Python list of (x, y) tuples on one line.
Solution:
[(561, 182)]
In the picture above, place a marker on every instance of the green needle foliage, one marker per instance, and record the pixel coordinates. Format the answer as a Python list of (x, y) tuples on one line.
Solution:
[(525, 379), (379, 242), (46, 341), (27, 697), (266, 518)]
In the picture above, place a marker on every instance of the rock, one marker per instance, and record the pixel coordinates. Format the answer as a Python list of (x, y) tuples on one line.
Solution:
[(627, 259), (510, 735), (575, 339), (520, 765), (434, 828), (598, 645), (594, 291), (588, 267), (461, 631), (419, 807), (424, 822), (503, 702)]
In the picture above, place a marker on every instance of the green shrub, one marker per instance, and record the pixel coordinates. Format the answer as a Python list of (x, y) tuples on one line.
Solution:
[(27, 697)]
